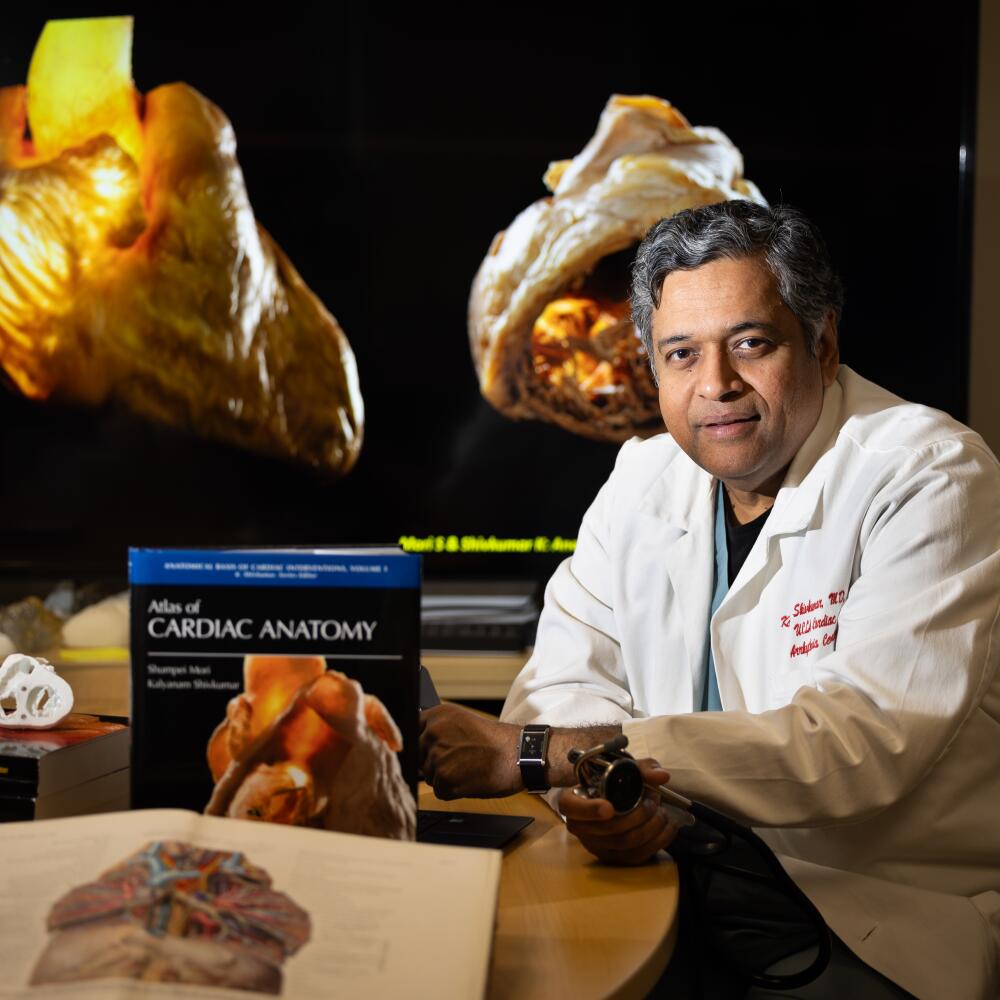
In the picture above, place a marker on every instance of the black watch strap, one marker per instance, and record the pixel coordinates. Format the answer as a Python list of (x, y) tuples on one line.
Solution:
[(531, 757)]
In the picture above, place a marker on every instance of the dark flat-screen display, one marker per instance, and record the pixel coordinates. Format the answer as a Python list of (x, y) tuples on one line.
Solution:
[(383, 151)]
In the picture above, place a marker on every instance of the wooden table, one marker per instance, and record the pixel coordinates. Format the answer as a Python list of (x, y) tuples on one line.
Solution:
[(567, 925)]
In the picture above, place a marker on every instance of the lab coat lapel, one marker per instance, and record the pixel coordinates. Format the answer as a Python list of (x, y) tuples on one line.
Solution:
[(798, 508), (798, 505), (682, 503)]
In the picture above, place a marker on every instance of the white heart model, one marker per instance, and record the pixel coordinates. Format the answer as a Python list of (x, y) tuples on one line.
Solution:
[(41, 697)]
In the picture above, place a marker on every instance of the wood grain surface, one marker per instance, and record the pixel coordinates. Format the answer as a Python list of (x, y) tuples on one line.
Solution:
[(567, 925)]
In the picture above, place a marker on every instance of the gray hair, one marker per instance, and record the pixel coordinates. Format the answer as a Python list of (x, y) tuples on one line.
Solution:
[(790, 245)]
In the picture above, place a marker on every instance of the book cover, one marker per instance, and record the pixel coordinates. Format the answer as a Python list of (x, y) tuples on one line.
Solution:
[(277, 685), (40, 762)]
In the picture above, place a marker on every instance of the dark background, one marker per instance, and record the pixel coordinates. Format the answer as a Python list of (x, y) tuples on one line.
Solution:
[(383, 151)]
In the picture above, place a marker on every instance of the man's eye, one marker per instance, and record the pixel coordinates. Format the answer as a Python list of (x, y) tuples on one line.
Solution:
[(680, 355), (752, 347)]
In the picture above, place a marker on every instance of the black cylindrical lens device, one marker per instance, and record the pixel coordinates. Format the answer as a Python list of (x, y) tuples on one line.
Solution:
[(622, 785)]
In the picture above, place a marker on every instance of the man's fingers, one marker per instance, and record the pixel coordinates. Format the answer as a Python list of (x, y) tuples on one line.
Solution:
[(442, 790), (652, 773), (579, 807), (649, 830), (427, 735), (638, 855), (643, 821), (591, 813), (425, 754), (430, 720)]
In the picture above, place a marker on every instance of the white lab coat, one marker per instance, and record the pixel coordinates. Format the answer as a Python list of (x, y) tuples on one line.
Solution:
[(864, 745)]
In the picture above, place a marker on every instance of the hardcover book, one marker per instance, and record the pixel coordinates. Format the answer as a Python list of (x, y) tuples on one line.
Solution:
[(37, 764), (107, 793), (277, 685)]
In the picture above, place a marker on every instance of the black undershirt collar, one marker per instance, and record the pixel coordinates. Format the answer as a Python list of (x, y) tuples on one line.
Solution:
[(740, 537)]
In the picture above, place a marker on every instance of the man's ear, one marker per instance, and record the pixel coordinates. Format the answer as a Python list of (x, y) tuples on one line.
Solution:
[(828, 350)]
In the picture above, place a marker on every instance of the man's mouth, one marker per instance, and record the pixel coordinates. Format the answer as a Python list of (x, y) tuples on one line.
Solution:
[(729, 425), (727, 419)]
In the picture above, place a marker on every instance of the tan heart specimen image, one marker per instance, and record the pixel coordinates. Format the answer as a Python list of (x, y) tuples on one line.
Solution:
[(549, 323)]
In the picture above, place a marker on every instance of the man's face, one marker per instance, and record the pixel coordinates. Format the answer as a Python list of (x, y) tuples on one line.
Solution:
[(739, 389)]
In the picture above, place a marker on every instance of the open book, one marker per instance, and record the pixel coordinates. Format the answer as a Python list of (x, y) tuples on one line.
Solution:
[(133, 904)]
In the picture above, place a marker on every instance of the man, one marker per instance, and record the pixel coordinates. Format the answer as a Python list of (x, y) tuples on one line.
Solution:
[(855, 651)]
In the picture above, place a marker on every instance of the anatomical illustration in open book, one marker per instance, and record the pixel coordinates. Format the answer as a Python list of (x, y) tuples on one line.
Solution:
[(175, 912)]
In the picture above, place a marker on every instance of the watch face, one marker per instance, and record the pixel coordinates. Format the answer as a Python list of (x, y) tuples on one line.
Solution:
[(532, 745)]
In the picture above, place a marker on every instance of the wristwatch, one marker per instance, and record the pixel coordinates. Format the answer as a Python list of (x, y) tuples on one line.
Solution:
[(531, 757)]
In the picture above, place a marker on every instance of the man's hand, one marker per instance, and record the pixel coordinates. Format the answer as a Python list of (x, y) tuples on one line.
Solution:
[(630, 839), (464, 755)]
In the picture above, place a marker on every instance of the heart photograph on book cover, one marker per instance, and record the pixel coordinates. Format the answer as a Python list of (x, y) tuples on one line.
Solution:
[(306, 746)]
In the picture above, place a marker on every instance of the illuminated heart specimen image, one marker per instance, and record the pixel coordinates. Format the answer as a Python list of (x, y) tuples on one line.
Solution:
[(133, 272)]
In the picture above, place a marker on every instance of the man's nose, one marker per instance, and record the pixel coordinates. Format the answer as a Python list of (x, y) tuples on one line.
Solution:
[(717, 378)]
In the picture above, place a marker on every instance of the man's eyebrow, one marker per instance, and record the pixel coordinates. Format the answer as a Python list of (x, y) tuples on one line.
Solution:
[(749, 324), (677, 338), (753, 324)]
